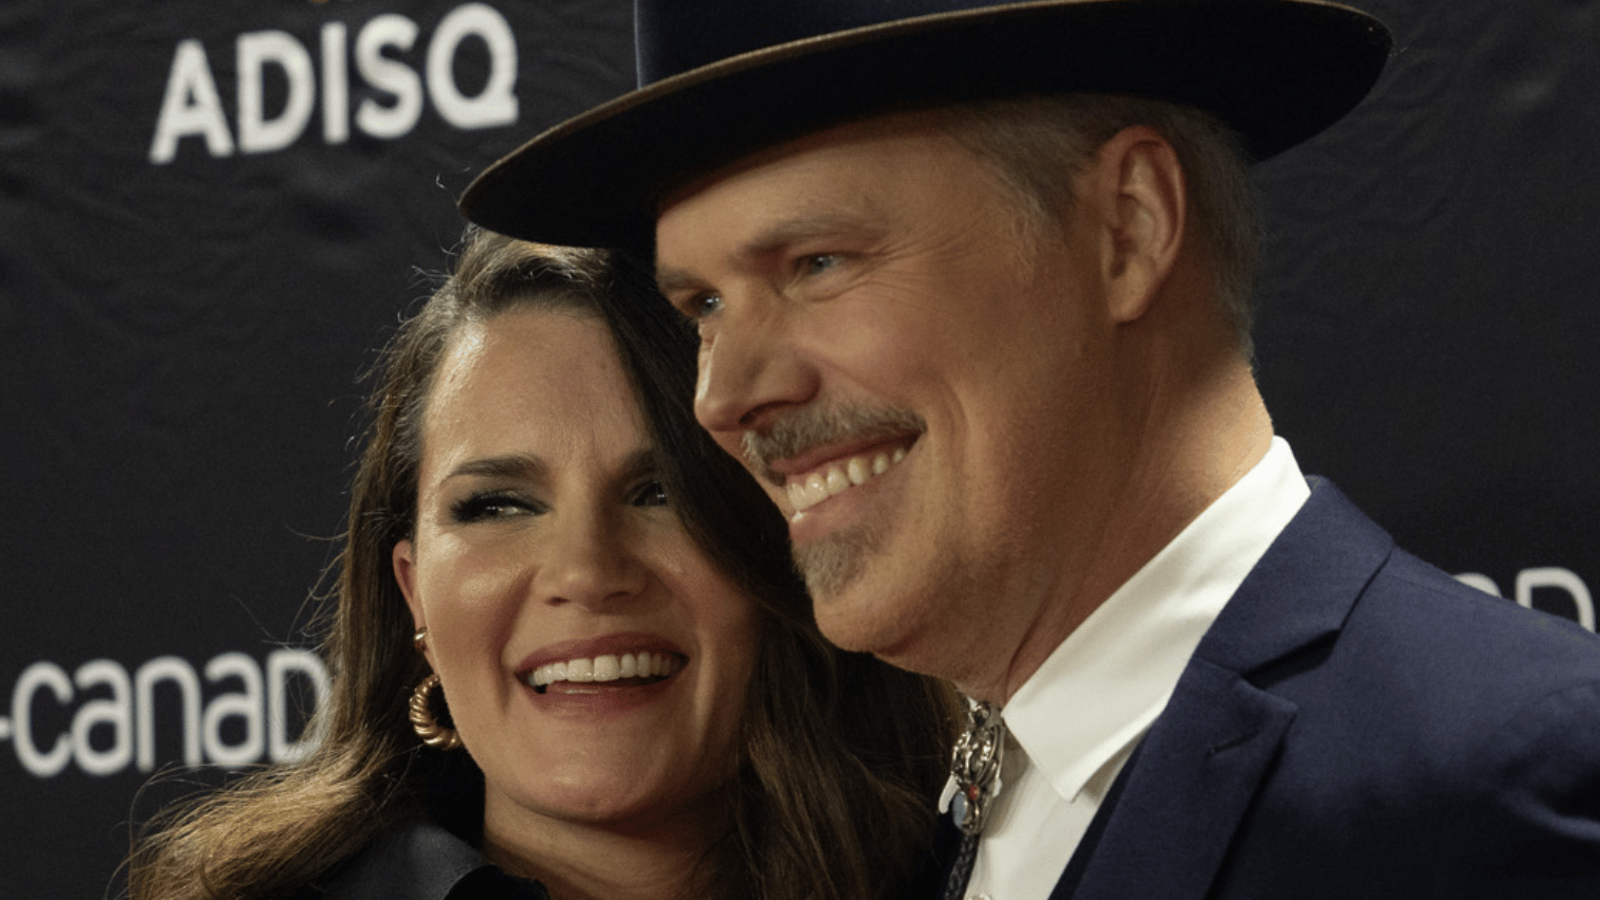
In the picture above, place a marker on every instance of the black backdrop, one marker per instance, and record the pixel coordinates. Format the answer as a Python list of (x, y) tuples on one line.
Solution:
[(212, 210)]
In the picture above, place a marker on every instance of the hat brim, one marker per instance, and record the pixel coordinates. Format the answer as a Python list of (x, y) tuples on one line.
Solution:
[(1277, 71)]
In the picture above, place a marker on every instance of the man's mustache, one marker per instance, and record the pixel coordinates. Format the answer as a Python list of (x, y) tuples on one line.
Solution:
[(817, 426)]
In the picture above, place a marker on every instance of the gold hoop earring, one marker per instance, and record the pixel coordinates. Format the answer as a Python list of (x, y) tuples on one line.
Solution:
[(422, 721), (419, 640)]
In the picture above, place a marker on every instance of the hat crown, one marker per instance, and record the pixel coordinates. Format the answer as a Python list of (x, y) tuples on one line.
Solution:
[(724, 78), (673, 36)]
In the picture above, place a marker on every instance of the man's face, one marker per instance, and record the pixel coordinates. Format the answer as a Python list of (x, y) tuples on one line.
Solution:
[(925, 390)]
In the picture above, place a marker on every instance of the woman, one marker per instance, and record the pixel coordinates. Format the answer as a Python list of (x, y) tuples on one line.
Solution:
[(589, 611)]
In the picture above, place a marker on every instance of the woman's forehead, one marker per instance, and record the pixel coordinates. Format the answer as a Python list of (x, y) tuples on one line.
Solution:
[(546, 383)]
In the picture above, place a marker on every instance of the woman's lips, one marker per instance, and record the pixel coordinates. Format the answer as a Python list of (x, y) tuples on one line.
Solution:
[(637, 658), (638, 667)]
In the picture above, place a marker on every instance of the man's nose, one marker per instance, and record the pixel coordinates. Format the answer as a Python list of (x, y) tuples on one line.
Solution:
[(751, 369)]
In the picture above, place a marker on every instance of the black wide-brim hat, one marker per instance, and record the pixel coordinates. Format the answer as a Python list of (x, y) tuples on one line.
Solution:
[(723, 78)]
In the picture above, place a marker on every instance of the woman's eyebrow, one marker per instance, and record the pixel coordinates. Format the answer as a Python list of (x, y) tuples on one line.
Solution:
[(529, 466), (510, 465), (643, 461)]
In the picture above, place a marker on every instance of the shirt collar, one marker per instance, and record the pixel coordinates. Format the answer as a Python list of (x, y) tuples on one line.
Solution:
[(423, 861), (1102, 687)]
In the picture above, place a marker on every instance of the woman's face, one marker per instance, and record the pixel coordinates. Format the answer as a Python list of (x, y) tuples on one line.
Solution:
[(593, 659)]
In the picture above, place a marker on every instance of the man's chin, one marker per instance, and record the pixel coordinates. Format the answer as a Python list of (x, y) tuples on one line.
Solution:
[(874, 624), (854, 610), (850, 630), (857, 616), (830, 566)]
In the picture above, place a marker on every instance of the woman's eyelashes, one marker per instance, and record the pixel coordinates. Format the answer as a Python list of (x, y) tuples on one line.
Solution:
[(650, 493), (482, 506), (488, 505)]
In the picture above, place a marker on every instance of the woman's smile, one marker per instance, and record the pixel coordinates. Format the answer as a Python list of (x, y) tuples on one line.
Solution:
[(594, 660)]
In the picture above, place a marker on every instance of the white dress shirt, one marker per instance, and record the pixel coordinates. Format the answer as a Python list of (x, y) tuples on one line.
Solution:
[(1074, 722)]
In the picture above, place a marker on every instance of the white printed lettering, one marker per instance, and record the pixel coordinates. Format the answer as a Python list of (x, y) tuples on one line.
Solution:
[(177, 671), (39, 675), (335, 85), (191, 106), (108, 734), (496, 104), (1528, 580), (258, 134), (245, 705), (281, 664), (1480, 581), (116, 712), (394, 94), (389, 75)]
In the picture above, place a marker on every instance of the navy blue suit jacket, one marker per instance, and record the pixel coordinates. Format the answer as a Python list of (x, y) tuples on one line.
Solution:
[(1358, 725)]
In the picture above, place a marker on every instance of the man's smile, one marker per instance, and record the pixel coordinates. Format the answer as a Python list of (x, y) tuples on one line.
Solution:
[(834, 478)]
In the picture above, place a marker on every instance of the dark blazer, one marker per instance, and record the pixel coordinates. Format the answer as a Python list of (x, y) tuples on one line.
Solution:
[(1358, 725), (421, 861)]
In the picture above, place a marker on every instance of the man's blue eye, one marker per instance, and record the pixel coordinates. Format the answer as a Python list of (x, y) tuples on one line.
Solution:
[(820, 262), (705, 306)]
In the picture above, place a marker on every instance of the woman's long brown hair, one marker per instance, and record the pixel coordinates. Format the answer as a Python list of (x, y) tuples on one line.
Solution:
[(841, 754)]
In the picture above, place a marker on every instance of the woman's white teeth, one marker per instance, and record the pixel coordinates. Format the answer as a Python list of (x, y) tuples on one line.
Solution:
[(607, 667), (836, 479)]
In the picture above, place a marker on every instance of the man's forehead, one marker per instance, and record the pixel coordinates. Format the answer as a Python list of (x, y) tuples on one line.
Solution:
[(742, 223)]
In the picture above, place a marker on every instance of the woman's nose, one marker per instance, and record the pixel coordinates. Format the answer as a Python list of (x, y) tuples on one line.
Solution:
[(592, 562)]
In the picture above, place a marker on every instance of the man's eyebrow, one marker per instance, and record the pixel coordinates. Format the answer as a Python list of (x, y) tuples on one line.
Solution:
[(806, 227), (776, 237), (669, 279)]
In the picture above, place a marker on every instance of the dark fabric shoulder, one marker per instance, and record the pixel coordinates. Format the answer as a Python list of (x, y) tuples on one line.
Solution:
[(422, 861), (932, 868), (1438, 741)]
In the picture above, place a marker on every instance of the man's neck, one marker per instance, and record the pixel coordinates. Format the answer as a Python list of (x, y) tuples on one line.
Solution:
[(1190, 456)]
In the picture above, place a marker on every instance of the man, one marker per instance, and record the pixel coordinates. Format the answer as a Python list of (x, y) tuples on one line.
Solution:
[(971, 283)]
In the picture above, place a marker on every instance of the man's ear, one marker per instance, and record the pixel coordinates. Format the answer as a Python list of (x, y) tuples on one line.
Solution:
[(1138, 184), (404, 560)]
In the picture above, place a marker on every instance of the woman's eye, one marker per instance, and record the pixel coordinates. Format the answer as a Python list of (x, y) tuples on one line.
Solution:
[(492, 505), (650, 494)]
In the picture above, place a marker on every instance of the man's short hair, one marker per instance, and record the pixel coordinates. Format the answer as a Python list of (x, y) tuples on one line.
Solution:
[(1037, 145)]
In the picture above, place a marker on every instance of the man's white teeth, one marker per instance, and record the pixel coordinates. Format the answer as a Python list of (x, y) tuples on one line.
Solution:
[(820, 485), (607, 667)]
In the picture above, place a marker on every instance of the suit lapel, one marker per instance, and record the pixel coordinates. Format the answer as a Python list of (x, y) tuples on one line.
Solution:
[(1204, 759), (1197, 772)]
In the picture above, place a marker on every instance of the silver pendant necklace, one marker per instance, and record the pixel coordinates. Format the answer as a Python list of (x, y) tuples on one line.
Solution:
[(975, 766)]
